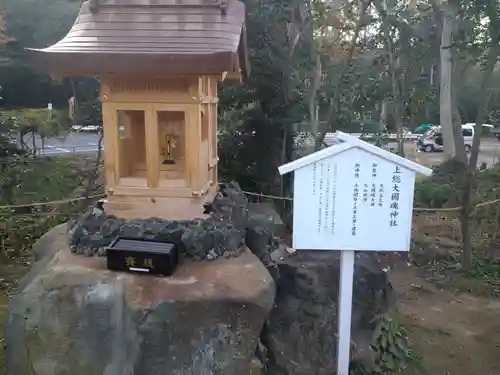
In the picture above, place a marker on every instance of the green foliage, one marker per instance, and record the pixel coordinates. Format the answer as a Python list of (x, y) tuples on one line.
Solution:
[(18, 234), (38, 23), (256, 120), (88, 109), (33, 24), (244, 141), (487, 270), (392, 351), (443, 263), (430, 194), (6, 147), (26, 181), (42, 121), (483, 278), (444, 188), (44, 179)]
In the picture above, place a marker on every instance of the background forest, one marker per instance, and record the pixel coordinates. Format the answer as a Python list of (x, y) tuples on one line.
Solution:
[(316, 67)]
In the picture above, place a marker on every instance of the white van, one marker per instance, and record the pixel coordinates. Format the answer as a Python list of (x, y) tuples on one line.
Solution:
[(433, 140)]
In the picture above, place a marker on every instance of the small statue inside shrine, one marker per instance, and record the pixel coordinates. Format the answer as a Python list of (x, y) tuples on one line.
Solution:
[(171, 134), (170, 142)]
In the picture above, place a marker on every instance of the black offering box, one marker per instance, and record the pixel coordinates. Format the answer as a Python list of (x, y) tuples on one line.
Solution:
[(144, 256)]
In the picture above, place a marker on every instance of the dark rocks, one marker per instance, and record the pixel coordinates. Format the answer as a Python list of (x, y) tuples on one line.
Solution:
[(432, 249), (73, 317), (300, 335), (198, 239), (225, 233)]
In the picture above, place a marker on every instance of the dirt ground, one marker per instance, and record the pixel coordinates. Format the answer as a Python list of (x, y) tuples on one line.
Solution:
[(455, 334)]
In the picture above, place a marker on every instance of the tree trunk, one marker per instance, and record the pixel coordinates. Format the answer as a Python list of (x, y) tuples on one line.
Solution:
[(33, 142), (396, 96), (470, 176), (456, 86), (458, 137), (383, 113), (393, 76), (94, 175), (312, 102), (445, 95)]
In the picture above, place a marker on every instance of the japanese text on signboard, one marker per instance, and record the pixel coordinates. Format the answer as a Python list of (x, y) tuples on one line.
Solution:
[(324, 189), (355, 197), (396, 188)]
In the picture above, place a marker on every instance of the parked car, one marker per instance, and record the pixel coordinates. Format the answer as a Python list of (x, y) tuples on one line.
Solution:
[(85, 128), (433, 139), (423, 128), (489, 126)]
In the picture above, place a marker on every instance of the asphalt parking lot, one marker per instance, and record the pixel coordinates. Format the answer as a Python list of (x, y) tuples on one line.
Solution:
[(86, 142), (490, 153), (74, 142)]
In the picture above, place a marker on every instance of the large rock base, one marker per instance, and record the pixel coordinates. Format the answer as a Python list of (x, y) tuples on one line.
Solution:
[(301, 333), (73, 317)]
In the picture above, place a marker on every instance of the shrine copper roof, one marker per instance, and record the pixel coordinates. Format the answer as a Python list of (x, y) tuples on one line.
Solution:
[(150, 36)]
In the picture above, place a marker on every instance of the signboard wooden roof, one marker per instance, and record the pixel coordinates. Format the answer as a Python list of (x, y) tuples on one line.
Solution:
[(156, 37), (353, 196)]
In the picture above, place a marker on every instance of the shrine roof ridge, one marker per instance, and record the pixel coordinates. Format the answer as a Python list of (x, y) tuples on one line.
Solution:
[(151, 36), (157, 3), (349, 142)]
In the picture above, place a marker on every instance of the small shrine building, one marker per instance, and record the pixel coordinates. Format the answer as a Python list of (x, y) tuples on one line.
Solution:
[(159, 63)]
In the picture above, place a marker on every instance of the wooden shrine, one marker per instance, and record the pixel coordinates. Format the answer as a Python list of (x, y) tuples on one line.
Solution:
[(159, 63)]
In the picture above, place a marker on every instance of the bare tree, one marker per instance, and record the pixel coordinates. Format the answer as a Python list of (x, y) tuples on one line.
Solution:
[(484, 96), (392, 67), (453, 141), (338, 84)]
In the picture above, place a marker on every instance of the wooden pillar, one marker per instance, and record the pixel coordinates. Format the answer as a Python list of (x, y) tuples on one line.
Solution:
[(193, 138), (125, 118), (214, 159), (111, 139), (152, 147)]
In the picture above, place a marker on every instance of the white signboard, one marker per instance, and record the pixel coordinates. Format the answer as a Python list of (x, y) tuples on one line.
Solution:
[(354, 200), (352, 196)]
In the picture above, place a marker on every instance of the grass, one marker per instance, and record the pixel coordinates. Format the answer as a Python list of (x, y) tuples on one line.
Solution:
[(443, 263), (482, 279), (44, 179), (29, 181), (25, 182), (9, 276), (443, 188)]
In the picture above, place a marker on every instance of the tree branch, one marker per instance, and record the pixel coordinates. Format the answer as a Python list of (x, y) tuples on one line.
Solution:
[(365, 4)]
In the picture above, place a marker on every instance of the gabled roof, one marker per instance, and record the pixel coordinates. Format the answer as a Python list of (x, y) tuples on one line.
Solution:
[(151, 36), (352, 142)]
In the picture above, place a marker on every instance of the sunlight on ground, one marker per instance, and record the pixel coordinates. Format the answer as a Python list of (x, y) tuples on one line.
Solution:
[(453, 333)]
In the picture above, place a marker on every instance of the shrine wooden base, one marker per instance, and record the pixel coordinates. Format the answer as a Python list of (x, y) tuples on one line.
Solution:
[(167, 208)]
